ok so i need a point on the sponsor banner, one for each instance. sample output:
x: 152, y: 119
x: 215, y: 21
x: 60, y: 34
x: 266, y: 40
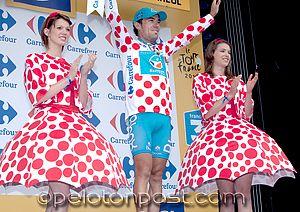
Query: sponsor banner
x: 88, y: 34
x: 67, y: 7
x: 193, y: 126
x: 95, y: 5
x: 178, y: 4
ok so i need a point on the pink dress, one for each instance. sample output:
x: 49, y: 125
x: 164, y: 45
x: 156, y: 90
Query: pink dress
x: 57, y: 143
x: 228, y: 145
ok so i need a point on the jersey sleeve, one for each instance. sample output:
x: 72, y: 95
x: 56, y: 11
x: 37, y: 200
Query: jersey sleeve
x: 119, y: 30
x: 189, y: 33
x: 202, y: 95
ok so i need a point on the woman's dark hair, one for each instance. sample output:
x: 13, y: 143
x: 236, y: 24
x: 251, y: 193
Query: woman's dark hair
x: 136, y: 32
x: 50, y: 23
x: 209, y: 58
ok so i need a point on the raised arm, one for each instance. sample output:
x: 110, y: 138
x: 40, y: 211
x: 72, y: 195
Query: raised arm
x: 214, y: 9
x: 189, y: 33
x: 119, y: 31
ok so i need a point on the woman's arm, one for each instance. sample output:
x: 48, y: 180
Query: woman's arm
x: 61, y: 84
x: 83, y: 93
x: 223, y: 101
x: 248, y: 102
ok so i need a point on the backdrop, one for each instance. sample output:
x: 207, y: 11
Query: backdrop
x: 20, y: 36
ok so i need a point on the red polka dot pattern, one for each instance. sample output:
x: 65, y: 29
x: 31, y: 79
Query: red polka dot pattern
x: 228, y: 146
x: 42, y: 71
x: 58, y: 145
x: 149, y: 93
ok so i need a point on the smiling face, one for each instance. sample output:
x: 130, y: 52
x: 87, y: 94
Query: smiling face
x: 222, y: 55
x: 149, y: 29
x: 58, y: 34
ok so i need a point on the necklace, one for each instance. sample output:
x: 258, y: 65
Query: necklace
x: 152, y: 47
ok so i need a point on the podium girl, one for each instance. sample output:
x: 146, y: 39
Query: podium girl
x: 229, y: 154
x: 58, y: 148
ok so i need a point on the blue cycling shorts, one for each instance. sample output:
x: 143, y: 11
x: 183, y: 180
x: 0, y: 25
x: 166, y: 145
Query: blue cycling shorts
x: 150, y: 133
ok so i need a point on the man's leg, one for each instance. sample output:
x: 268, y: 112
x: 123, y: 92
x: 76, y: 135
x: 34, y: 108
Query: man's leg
x: 158, y: 167
x: 143, y: 167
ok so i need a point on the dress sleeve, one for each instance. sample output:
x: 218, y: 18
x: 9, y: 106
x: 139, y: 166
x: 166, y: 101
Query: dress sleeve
x: 188, y: 34
x: 35, y: 80
x: 203, y: 97
x: 88, y: 108
x: 89, y: 103
x: 241, y: 101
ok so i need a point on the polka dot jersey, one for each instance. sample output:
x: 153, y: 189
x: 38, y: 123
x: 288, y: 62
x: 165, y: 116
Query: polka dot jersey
x: 149, y: 92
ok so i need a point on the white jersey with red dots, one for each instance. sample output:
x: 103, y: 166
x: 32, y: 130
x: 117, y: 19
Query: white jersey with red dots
x: 146, y: 74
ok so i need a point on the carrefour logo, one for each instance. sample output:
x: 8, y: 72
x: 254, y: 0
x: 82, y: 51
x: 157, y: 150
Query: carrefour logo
x: 117, y: 82
x: 92, y: 118
x: 84, y: 32
x: 81, y: 33
x: 6, y: 19
x: 6, y: 110
x: 84, y: 35
x: 119, y: 124
x: 6, y: 64
x: 36, y: 27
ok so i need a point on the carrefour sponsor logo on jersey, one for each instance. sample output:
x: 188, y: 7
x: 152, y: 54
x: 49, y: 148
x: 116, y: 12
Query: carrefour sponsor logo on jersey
x: 129, y: 67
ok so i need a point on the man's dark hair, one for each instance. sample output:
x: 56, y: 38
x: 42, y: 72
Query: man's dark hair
x: 135, y: 29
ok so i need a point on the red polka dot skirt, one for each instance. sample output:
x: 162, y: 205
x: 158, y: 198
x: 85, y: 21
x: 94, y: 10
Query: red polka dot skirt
x: 58, y: 145
x: 229, y: 149
x: 228, y: 146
